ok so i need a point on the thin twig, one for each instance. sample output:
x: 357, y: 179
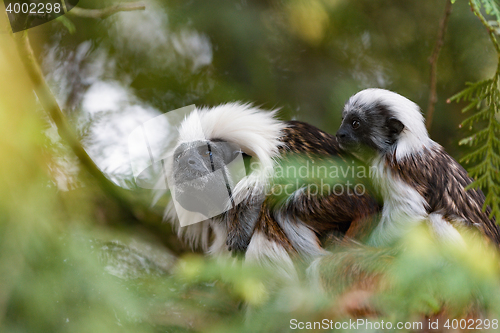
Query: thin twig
x: 65, y: 9
x: 433, y: 60
x: 108, y: 11
x: 491, y: 30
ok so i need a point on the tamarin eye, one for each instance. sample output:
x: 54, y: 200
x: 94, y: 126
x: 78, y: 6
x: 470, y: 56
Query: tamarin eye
x: 355, y: 123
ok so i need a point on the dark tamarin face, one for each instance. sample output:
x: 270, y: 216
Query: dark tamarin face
x: 378, y: 121
x: 369, y: 126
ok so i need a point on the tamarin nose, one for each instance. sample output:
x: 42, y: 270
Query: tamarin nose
x: 341, y: 135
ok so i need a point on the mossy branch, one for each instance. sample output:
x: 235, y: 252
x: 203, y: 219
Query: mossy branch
x: 108, y: 11
x: 129, y: 207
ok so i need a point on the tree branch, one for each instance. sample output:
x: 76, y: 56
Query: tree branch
x: 433, y: 60
x: 108, y: 11
x: 49, y: 103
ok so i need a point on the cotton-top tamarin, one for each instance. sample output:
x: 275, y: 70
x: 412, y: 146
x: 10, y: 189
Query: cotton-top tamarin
x: 416, y: 178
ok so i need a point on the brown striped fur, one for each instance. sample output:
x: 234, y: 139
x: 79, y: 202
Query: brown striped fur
x: 442, y: 181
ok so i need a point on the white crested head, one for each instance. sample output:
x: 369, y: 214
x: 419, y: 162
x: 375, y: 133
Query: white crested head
x: 255, y: 131
x: 385, y: 121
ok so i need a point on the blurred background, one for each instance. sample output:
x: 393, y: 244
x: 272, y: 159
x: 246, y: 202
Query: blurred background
x: 75, y: 258
x: 304, y: 57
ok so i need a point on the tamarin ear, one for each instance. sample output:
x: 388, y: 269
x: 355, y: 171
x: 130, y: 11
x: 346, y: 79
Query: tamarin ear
x: 395, y: 126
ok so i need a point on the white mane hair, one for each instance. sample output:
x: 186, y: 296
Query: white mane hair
x: 257, y: 132
x: 414, y: 137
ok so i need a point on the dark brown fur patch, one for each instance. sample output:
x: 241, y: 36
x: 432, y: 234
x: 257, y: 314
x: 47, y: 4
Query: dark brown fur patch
x: 331, y: 212
x: 268, y: 226
x: 442, y: 181
x: 323, y: 213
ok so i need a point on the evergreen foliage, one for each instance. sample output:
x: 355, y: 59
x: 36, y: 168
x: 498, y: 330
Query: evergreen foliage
x: 483, y: 100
